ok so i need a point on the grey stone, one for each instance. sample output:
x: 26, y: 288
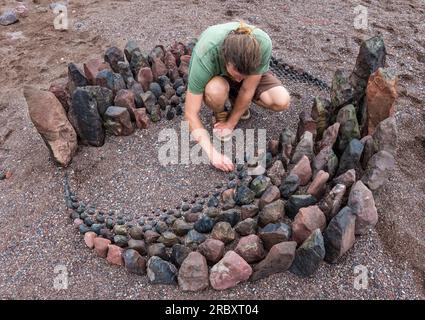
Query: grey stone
x: 309, y: 255
x: 161, y: 272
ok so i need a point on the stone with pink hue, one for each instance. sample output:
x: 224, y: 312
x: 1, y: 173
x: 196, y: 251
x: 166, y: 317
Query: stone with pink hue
x: 145, y: 77
x: 184, y: 65
x: 151, y: 236
x: 273, y: 147
x: 193, y: 273
x: 212, y: 250
x: 101, y: 246
x: 89, y: 239
x: 306, y: 123
x: 170, y: 60
x: 279, y: 259
x: 229, y: 271
x: 228, y: 198
x: 142, y: 119
x: 332, y: 202
x: 306, y: 221
x: 329, y: 136
x: 381, y: 94
x: 60, y: 91
x: 347, y: 178
x: 249, y: 211
x: 271, y: 194
x: 318, y: 187
x: 276, y: 173
x: 51, y: 122
x: 78, y: 222
x: 250, y: 248
x: 362, y: 203
x: 92, y: 68
x: 158, y: 68
x: 303, y: 170
x: 115, y: 255
x: 125, y: 99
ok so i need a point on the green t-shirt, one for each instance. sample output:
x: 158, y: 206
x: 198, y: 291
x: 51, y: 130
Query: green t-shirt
x: 207, y: 60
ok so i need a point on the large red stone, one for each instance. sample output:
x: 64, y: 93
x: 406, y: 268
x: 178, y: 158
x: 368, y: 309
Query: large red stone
x: 279, y: 259
x: 193, y: 273
x: 51, y: 122
x: 303, y: 170
x: 250, y: 248
x: 271, y: 194
x: 115, y: 255
x: 229, y: 271
x: 125, y: 99
x: 101, y: 246
x: 212, y: 250
x: 145, y: 77
x: 381, y: 94
x: 306, y: 221
x: 362, y: 204
x: 158, y: 68
x: 92, y: 68
x: 318, y: 187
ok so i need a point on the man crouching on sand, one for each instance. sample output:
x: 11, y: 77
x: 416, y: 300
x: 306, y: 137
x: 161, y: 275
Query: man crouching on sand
x: 230, y: 61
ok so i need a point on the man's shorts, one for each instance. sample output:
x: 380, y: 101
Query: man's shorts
x: 268, y: 81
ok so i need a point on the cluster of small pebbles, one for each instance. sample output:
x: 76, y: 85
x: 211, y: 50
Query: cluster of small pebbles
x: 314, y: 197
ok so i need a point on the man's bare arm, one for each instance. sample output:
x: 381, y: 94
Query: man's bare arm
x: 244, y: 98
x: 193, y: 103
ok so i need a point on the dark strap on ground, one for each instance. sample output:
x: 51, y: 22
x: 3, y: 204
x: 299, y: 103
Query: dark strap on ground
x: 283, y: 70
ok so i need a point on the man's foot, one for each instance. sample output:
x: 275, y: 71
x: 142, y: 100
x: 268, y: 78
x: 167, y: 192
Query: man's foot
x: 246, y: 115
x: 221, y: 116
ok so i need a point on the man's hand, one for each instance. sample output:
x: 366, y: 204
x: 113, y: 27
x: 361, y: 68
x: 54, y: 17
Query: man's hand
x: 223, y: 129
x: 222, y: 162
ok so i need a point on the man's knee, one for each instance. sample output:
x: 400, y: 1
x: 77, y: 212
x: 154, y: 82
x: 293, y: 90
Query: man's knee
x: 216, y: 92
x: 282, y: 101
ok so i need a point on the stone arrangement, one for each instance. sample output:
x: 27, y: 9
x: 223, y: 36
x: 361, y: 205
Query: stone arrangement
x: 123, y: 91
x: 315, y: 196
